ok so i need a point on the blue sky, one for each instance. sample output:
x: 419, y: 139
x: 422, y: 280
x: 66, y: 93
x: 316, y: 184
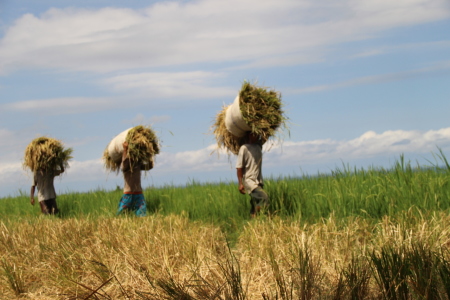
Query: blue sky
x: 363, y: 82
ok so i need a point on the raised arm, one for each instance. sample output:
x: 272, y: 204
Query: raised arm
x: 125, y: 166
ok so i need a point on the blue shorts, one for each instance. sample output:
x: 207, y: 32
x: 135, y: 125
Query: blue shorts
x: 133, y: 202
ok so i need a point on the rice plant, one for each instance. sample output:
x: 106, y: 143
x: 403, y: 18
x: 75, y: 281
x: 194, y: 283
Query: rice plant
x: 354, y: 279
x: 13, y: 277
x: 392, y: 270
x: 353, y: 234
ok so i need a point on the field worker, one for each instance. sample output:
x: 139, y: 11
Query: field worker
x: 43, y: 180
x: 249, y: 173
x: 132, y: 198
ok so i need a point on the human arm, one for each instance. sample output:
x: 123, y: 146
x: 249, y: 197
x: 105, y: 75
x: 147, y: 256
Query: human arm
x: 240, y: 176
x: 32, y: 194
x: 240, y: 164
x: 60, y: 170
x: 125, y: 159
x: 125, y: 150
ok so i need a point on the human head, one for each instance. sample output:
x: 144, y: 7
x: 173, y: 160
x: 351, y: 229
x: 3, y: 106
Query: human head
x: 252, y: 137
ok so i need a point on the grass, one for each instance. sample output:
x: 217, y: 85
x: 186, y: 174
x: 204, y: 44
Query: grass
x: 369, y: 193
x: 353, y: 234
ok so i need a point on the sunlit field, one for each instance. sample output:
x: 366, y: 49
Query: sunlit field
x: 352, y: 234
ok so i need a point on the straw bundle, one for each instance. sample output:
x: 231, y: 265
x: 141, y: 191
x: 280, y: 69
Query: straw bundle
x: 260, y: 108
x: 224, y: 138
x: 143, y: 145
x: 45, y: 153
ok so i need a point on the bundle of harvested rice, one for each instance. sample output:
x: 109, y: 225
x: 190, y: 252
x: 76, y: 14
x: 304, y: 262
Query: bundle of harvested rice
x: 143, y: 145
x: 256, y: 109
x: 261, y: 109
x: 224, y: 137
x: 45, y: 153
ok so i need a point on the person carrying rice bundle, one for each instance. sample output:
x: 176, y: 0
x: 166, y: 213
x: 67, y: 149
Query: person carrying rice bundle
x: 132, y: 151
x: 242, y: 128
x: 46, y: 158
x: 249, y: 173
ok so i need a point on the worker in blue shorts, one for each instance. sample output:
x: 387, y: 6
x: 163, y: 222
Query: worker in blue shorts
x: 132, y: 198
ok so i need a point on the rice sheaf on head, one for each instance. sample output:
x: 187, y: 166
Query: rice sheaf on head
x: 46, y: 153
x: 224, y: 138
x: 261, y: 109
x: 143, y: 145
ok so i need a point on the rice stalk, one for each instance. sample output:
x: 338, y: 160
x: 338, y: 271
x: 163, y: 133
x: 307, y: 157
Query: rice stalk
x: 285, y: 287
x: 232, y: 272
x: 307, y: 274
x: 224, y: 138
x: 143, y: 145
x: 424, y: 277
x: 354, y: 280
x: 444, y: 273
x: 109, y: 163
x: 261, y: 109
x: 45, y: 153
x: 173, y: 289
x: 14, y: 277
x: 391, y: 270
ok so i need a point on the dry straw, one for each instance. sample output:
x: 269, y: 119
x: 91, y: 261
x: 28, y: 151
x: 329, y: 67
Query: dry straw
x: 45, y: 153
x: 143, y: 145
x: 261, y: 109
x: 224, y: 138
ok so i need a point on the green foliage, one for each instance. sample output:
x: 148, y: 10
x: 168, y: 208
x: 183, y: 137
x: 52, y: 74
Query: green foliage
x: 369, y: 193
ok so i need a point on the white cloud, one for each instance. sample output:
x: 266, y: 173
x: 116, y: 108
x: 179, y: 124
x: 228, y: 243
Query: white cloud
x: 60, y: 106
x: 192, y: 85
x: 85, y: 170
x: 253, y: 32
x: 389, y: 77
x: 286, y: 155
x: 135, y: 89
x: 369, y: 145
x: 141, y: 119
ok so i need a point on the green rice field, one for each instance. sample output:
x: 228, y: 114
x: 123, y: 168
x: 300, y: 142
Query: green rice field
x: 352, y: 234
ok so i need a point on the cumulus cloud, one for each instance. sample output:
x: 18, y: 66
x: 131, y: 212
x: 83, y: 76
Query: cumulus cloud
x: 210, y: 31
x: 85, y: 170
x: 191, y: 85
x: 287, y: 155
x: 369, y: 145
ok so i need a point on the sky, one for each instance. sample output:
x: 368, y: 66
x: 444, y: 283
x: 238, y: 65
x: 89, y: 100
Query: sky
x: 362, y: 83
